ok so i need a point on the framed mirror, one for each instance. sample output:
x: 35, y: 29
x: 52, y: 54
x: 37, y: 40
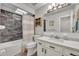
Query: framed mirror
x: 77, y: 22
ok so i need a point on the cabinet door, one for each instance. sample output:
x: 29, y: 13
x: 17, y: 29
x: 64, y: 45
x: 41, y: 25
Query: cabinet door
x: 53, y: 49
x: 51, y: 52
x: 40, y: 49
x: 69, y: 52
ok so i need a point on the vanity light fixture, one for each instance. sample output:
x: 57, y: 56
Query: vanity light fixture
x: 55, y: 6
x: 59, y: 6
x: 49, y: 7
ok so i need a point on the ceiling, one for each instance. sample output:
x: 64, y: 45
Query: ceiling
x: 35, y: 5
x: 30, y: 7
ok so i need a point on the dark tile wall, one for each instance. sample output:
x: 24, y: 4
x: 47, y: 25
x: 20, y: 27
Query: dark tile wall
x: 13, y: 26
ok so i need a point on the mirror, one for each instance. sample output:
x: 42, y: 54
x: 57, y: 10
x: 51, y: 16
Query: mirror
x: 65, y: 24
x: 65, y: 19
x: 77, y: 22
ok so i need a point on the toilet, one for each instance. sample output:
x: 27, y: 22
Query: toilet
x: 31, y: 47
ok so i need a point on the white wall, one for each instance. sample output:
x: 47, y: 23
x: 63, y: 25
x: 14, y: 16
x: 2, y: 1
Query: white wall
x: 40, y: 13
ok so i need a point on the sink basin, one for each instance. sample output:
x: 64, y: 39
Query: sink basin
x: 57, y: 40
x: 72, y: 39
x: 57, y: 37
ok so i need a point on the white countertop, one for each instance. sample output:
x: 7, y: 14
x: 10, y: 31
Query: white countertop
x: 62, y: 42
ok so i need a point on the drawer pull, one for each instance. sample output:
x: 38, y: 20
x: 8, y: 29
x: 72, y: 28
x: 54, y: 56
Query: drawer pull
x: 73, y: 54
x: 62, y: 55
x: 42, y: 49
x: 52, y: 47
x: 45, y: 51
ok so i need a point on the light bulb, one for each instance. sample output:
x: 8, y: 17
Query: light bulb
x: 53, y: 4
x: 49, y: 7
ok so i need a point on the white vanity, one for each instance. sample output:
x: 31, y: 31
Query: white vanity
x: 62, y: 21
x: 47, y: 46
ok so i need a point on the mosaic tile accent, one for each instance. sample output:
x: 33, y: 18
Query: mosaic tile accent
x: 11, y: 24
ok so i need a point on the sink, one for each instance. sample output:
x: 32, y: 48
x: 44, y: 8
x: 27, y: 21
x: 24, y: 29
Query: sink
x: 72, y: 39
x: 57, y: 37
x: 62, y: 36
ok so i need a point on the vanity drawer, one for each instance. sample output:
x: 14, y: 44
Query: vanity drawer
x: 54, y: 47
x: 40, y: 43
x: 68, y: 52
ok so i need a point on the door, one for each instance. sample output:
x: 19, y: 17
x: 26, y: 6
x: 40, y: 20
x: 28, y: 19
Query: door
x: 65, y: 24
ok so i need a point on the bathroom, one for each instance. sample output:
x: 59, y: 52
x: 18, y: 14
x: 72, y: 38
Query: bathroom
x: 39, y: 29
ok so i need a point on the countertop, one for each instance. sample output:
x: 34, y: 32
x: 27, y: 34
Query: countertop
x: 65, y: 43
